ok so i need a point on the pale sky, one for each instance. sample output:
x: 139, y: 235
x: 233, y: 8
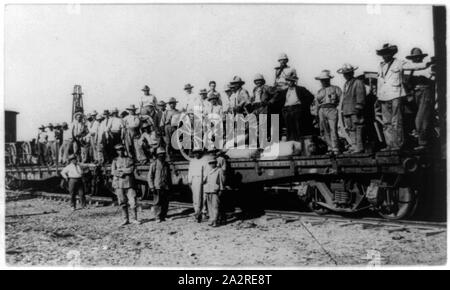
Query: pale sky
x: 112, y: 51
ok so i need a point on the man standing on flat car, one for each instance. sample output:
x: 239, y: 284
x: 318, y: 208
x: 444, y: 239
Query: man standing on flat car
x: 353, y: 103
x: 327, y: 100
x: 296, y: 111
x: 281, y: 72
x: 391, y: 96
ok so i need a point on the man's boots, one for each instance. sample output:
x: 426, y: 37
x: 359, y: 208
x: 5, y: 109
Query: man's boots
x: 125, y: 216
x: 135, y: 217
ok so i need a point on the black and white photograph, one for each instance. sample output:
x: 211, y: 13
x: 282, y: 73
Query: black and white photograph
x: 224, y: 136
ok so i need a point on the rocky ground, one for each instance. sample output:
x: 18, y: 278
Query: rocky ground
x: 47, y: 233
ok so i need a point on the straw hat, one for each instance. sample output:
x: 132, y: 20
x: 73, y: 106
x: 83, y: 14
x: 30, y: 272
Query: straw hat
x: 324, y: 75
x: 346, y: 68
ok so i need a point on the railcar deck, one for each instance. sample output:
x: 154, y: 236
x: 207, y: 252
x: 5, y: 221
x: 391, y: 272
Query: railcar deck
x: 257, y: 170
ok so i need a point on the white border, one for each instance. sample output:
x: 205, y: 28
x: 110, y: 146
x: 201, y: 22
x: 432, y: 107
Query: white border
x: 2, y: 166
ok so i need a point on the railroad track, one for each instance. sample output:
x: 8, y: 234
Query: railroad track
x: 288, y: 216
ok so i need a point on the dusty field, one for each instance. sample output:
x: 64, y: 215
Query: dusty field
x: 48, y: 233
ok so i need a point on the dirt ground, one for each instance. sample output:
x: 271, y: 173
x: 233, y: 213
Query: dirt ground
x: 47, y: 233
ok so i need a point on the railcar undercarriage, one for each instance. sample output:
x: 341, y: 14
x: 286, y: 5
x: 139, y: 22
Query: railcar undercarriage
x: 389, y: 183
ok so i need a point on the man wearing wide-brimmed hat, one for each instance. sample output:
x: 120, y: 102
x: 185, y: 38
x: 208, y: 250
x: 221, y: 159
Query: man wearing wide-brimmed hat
x: 131, y: 122
x: 214, y: 185
x: 51, y: 144
x: 104, y: 135
x: 419, y: 86
x: 99, y: 140
x: 158, y: 120
x: 41, y: 145
x: 147, y: 100
x: 169, y: 122
x: 353, y: 104
x: 115, y: 128
x: 391, y: 94
x: 79, y: 130
x: 296, y: 111
x: 122, y: 170
x: 67, y: 138
x: 93, y: 130
x: 213, y: 108
x: 281, y: 72
x: 327, y: 100
x: 226, y: 102
x: 196, y: 173
x: 159, y: 180
x: 261, y: 96
x: 240, y: 95
x: 187, y: 97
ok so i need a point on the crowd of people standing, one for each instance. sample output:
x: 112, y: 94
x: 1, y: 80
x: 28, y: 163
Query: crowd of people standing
x: 404, y: 98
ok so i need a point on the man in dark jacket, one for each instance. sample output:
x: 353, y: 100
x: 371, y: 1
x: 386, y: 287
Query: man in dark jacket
x: 296, y: 110
x: 353, y: 103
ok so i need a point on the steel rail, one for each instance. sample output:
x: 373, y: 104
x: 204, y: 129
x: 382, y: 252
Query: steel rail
x: 277, y: 213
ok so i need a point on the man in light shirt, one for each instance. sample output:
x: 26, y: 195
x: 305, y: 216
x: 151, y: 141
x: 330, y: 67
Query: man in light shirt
x: 99, y: 141
x: 327, y: 100
x: 73, y: 174
x: 42, y: 145
x: 147, y: 100
x: 51, y: 144
x: 66, y: 146
x: 131, y: 123
x: 353, y: 104
x: 196, y: 173
x: 93, y: 129
x: 240, y: 96
x: 104, y: 137
x: 281, y: 72
x: 169, y: 124
x: 392, y: 95
x: 226, y: 102
x: 79, y: 130
x: 115, y: 128
x: 187, y: 98
x: 261, y: 96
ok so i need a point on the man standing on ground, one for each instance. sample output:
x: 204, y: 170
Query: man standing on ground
x: 159, y: 181
x: 122, y: 170
x: 73, y: 174
x: 195, y: 180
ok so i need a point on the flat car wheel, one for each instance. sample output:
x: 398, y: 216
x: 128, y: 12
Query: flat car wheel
x: 398, y: 203
x: 314, y: 206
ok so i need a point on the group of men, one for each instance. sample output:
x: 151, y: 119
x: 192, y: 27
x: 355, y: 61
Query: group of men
x: 144, y: 137
x: 207, y: 178
x: 404, y: 95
